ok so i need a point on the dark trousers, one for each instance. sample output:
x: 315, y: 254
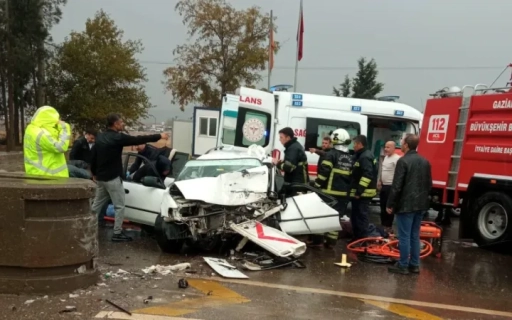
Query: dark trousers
x: 386, y: 219
x: 359, y: 217
x: 341, y: 206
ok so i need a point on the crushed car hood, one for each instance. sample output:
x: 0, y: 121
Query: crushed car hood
x: 228, y: 189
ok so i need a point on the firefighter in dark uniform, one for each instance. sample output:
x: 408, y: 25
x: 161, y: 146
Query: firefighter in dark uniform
x: 316, y: 240
x: 363, y: 186
x: 295, y: 163
x: 334, y: 175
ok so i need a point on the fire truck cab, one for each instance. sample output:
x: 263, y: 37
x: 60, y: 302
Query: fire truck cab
x: 255, y: 117
x: 467, y: 137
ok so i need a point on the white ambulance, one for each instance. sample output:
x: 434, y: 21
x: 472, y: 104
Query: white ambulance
x: 255, y: 117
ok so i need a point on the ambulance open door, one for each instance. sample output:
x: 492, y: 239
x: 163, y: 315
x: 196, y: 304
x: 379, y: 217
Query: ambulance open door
x: 255, y: 119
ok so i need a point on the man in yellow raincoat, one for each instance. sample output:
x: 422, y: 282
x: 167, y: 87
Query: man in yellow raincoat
x: 45, y: 144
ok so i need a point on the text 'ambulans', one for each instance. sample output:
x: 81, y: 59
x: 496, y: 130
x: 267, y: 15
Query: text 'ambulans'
x: 251, y: 100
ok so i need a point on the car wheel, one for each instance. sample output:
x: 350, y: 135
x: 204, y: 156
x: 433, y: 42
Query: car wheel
x: 492, y: 218
x: 170, y: 236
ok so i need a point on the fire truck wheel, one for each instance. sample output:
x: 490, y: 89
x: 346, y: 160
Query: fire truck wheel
x: 492, y: 218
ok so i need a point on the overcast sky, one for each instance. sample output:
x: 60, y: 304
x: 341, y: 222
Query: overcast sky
x: 420, y: 46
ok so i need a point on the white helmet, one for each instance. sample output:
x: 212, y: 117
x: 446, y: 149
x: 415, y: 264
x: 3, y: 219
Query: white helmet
x: 340, y: 137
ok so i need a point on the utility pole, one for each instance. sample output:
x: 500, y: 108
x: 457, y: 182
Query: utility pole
x: 41, y: 72
x: 10, y: 85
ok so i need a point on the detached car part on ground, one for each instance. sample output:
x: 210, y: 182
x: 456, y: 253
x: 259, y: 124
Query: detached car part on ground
x: 225, y: 193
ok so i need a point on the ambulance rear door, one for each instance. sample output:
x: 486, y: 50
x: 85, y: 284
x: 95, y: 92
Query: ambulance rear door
x: 255, y: 119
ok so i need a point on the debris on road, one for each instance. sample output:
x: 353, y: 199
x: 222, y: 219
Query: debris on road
x: 222, y: 267
x: 118, y: 307
x: 182, y: 284
x: 165, y: 270
x: 29, y: 301
x: 266, y: 262
x: 73, y: 296
x: 81, y: 269
x: 68, y: 309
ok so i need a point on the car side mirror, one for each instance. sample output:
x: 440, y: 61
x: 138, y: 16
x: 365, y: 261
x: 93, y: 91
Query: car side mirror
x: 153, y: 182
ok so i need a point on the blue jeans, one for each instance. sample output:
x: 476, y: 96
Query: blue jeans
x: 409, y: 224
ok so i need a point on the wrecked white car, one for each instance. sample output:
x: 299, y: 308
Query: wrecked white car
x: 225, y: 193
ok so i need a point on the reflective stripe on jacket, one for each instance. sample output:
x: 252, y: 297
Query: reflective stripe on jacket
x: 45, y: 143
x: 364, y: 175
x: 334, y: 173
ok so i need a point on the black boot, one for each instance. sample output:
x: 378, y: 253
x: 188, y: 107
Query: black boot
x: 121, y: 237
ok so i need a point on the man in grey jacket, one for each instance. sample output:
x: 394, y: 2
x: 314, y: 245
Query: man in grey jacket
x: 408, y: 200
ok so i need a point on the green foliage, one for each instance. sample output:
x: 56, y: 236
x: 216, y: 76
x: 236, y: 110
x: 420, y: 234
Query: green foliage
x: 364, y: 85
x: 344, y: 90
x: 24, y: 31
x: 95, y: 72
x: 229, y: 50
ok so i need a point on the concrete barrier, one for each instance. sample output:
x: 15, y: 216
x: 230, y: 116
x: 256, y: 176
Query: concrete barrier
x: 48, y: 235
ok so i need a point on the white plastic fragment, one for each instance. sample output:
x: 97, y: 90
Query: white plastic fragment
x: 165, y: 270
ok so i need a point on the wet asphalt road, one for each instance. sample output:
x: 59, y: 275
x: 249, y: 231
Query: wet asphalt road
x: 464, y: 277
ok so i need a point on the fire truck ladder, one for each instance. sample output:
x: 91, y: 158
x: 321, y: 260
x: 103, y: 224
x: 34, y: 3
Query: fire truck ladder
x: 453, y: 174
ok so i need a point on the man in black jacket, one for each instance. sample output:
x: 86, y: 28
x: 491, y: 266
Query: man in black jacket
x: 107, y: 168
x: 163, y: 168
x: 149, y: 152
x: 81, y: 149
x: 326, y: 146
x: 295, y: 163
x: 408, y: 199
x: 363, y: 186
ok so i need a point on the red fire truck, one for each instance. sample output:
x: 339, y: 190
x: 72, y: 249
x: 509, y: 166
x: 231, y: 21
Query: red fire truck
x: 467, y: 137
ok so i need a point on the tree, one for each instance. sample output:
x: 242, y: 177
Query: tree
x: 229, y: 50
x: 24, y: 32
x: 364, y: 85
x: 344, y: 90
x: 95, y: 73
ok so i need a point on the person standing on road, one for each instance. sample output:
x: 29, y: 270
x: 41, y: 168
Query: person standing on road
x: 45, y: 143
x: 384, y: 181
x: 295, y: 163
x: 334, y: 176
x: 107, y: 169
x: 363, y: 187
x: 81, y: 149
x: 408, y: 200
x: 316, y: 240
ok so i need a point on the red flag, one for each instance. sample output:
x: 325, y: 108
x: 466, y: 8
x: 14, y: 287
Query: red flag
x: 271, y: 48
x: 300, y: 34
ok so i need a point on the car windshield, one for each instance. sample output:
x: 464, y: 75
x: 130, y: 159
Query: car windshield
x: 212, y: 168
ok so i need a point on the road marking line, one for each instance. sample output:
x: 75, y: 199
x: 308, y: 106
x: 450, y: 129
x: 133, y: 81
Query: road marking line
x: 216, y: 295
x: 134, y: 316
x: 403, y: 310
x: 363, y: 296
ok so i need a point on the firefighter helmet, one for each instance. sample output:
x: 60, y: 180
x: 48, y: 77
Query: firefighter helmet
x: 340, y: 137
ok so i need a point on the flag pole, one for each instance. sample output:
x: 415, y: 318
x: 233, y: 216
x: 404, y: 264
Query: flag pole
x: 270, y: 49
x: 297, y: 51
